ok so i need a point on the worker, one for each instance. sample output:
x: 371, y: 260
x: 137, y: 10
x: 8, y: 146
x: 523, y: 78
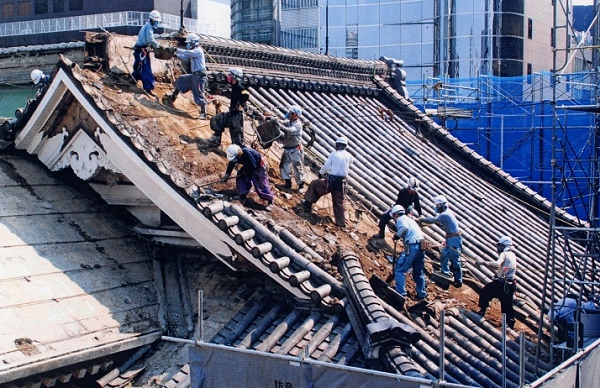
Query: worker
x: 234, y: 119
x: 39, y: 78
x: 412, y: 256
x: 195, y: 81
x: 293, y: 152
x: 142, y: 68
x: 408, y: 197
x: 252, y: 172
x: 503, y: 285
x: 445, y: 219
x: 336, y: 167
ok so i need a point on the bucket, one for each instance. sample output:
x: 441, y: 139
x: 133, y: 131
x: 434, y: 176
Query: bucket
x: 268, y: 132
x: 164, y: 53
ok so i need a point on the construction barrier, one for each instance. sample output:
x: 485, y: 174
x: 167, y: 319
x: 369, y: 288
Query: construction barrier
x: 581, y: 370
x: 221, y: 366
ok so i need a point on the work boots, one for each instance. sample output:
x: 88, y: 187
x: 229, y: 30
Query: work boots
x: 173, y: 96
x: 202, y: 115
x: 215, y: 140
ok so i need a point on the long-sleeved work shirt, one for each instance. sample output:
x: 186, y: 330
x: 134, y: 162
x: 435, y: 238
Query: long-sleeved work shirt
x: 445, y: 220
x: 250, y: 159
x: 195, y: 56
x: 408, y: 230
x: 408, y: 199
x: 337, y: 164
x: 292, y: 133
x: 146, y: 37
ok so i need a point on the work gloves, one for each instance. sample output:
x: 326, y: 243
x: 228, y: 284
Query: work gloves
x: 225, y: 178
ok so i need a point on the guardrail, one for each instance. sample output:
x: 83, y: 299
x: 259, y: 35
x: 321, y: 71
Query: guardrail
x: 90, y: 22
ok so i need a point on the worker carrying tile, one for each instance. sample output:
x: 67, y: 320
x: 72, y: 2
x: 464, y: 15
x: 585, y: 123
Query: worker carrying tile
x: 252, y: 173
x: 195, y: 81
x: 336, y: 168
x: 142, y: 68
x: 234, y: 119
x: 408, y: 198
x: 445, y: 219
x: 292, y: 158
x: 412, y: 256
x: 503, y: 285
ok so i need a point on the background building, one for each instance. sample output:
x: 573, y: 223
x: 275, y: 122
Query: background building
x: 433, y: 37
x: 34, y: 22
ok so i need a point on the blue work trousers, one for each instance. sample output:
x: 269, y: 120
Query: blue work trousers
x: 412, y: 257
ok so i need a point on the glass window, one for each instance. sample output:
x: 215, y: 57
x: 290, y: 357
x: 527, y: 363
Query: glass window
x: 58, y: 5
x: 530, y: 28
x: 8, y: 10
x: 24, y: 8
x: 40, y: 7
x: 75, y: 5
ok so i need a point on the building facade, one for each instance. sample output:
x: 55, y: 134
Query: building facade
x: 32, y: 22
x: 434, y: 38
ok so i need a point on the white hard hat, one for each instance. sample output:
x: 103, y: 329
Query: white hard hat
x: 441, y: 203
x: 295, y: 109
x: 237, y: 73
x: 342, y: 140
x: 506, y: 241
x: 232, y: 152
x: 36, y: 76
x: 440, y: 200
x: 397, y: 210
x: 155, y: 15
x: 191, y: 37
x: 413, y: 184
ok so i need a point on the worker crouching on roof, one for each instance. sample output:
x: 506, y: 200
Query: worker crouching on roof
x: 195, y: 81
x: 336, y: 167
x: 234, y: 119
x: 446, y: 220
x: 293, y: 152
x: 408, y: 198
x: 142, y: 68
x: 504, y: 285
x: 412, y: 256
x: 252, y: 172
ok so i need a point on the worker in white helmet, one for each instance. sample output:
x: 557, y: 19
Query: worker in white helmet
x: 408, y: 197
x: 252, y: 173
x: 445, y: 219
x: 412, y: 256
x: 292, y: 158
x: 195, y: 81
x: 39, y: 78
x: 142, y: 68
x: 336, y: 167
x: 504, y: 284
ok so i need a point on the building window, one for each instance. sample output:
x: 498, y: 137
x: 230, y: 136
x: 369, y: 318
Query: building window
x: 58, y: 5
x: 8, y: 10
x: 24, y: 8
x: 552, y: 43
x: 40, y: 7
x: 75, y: 5
x: 530, y: 28
x: 529, y: 69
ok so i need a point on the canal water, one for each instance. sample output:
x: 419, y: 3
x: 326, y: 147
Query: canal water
x: 12, y: 98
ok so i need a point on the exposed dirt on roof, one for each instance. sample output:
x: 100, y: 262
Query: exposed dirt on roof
x: 180, y: 138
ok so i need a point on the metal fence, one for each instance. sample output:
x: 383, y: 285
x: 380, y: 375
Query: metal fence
x: 90, y: 22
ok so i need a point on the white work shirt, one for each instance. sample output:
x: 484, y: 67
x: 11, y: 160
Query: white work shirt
x: 338, y: 164
x: 507, y: 265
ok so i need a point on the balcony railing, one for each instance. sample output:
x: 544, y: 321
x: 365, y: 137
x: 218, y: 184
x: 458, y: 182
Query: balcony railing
x: 90, y: 22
